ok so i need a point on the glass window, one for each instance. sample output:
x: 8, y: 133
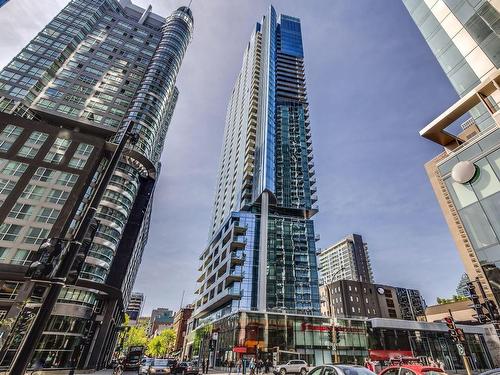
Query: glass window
x: 57, y: 151
x: 21, y: 211
x: 329, y: 371
x: 33, y: 192
x: 44, y: 175
x: 405, y: 371
x: 477, y: 226
x: 487, y: 182
x: 494, y: 160
x: 491, y: 207
x: 6, y: 186
x: 9, y: 232
x: 14, y: 168
x: 57, y: 196
x: 316, y: 371
x: 47, y: 215
x: 8, y: 136
x: 36, y: 235
x: 67, y: 179
x: 463, y: 195
x: 20, y: 257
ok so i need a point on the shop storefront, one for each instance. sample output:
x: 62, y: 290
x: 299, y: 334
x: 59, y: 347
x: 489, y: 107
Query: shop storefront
x: 389, y: 338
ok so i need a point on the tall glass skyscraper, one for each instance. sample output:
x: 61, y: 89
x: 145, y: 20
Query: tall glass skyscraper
x: 464, y: 37
x: 261, y: 254
x: 96, y: 66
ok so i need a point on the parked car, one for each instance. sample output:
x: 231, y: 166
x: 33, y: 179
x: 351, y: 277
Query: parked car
x: 340, y: 370
x: 187, y: 368
x: 162, y: 366
x: 412, y: 369
x: 495, y: 371
x: 144, y: 367
x: 295, y: 366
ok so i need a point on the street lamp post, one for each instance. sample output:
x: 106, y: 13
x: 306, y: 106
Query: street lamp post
x: 30, y: 342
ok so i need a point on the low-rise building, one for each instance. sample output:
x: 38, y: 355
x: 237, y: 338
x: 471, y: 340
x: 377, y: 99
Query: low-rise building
x: 180, y: 325
x: 355, y: 299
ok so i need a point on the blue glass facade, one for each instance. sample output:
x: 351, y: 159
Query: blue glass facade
x: 262, y: 252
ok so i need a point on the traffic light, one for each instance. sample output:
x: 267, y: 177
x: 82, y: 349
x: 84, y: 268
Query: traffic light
x: 330, y: 335
x: 337, y: 336
x: 47, y: 259
x: 476, y: 303
x: 452, y: 329
x: 460, y: 334
x: 83, y: 251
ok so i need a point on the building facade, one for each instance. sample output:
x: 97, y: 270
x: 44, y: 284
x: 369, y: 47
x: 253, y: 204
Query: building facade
x: 462, y: 290
x: 134, y: 307
x: 466, y: 175
x: 347, y: 259
x: 98, y: 65
x: 181, y: 319
x: 261, y: 252
x: 355, y: 299
x: 161, y: 318
x: 282, y: 337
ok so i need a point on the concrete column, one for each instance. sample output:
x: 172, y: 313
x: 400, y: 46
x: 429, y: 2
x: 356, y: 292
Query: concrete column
x: 262, y: 294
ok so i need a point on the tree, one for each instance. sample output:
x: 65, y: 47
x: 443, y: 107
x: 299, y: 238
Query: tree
x: 163, y: 344
x: 156, y: 347
x: 136, y: 336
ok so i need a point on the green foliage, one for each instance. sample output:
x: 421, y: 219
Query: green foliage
x: 163, y: 344
x: 136, y: 336
x: 200, y: 333
x: 454, y: 298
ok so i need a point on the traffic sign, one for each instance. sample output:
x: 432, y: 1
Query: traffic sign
x: 461, y: 349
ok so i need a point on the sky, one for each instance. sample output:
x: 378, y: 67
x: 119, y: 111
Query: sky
x: 372, y: 83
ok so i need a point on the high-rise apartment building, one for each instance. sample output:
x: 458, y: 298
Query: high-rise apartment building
x: 346, y: 260
x: 261, y: 254
x: 462, y: 290
x: 96, y: 66
x: 135, y: 305
x: 463, y: 36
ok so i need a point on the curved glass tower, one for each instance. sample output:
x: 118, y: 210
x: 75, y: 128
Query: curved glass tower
x: 96, y: 66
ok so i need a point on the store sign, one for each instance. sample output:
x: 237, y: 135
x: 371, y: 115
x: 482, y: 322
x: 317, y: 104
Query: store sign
x: 349, y: 329
x: 311, y: 327
x: 240, y: 349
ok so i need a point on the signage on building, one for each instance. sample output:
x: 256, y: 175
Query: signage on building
x: 311, y: 327
x: 240, y: 349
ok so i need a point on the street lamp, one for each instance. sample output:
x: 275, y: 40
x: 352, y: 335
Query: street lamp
x: 59, y: 279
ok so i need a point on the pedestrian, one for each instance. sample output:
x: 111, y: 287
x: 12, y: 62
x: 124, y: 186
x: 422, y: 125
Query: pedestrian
x: 252, y: 366
x: 205, y: 366
x: 238, y: 367
x: 267, y: 365
x: 230, y: 364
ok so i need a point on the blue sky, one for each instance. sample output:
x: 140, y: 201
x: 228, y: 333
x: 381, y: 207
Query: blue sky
x: 372, y: 83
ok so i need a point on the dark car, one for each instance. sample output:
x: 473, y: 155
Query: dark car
x: 162, y: 366
x: 340, y: 370
x: 187, y: 368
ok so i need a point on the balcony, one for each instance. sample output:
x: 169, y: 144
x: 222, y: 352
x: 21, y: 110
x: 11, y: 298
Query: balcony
x: 237, y: 258
x: 238, y: 242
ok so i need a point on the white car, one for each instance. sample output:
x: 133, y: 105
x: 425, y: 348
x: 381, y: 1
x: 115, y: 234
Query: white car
x: 340, y: 370
x: 295, y: 366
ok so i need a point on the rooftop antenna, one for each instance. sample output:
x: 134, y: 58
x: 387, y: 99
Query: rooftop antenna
x: 190, y: 1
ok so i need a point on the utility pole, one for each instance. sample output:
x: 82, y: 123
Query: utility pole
x: 68, y: 256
